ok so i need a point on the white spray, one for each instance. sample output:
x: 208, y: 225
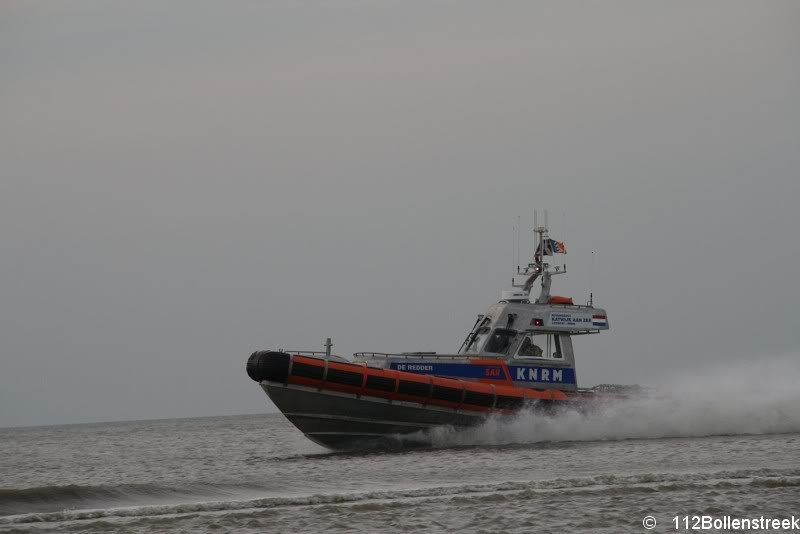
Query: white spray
x: 761, y: 397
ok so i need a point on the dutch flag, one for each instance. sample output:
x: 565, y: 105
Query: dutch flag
x: 599, y: 320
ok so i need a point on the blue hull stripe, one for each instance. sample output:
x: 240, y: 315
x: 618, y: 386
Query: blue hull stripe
x: 519, y: 373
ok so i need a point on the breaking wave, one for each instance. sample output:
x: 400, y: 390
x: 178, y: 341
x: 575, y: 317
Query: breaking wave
x: 46, y: 498
x: 614, y: 484
x: 742, y: 399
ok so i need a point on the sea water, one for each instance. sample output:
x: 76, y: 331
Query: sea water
x: 730, y: 448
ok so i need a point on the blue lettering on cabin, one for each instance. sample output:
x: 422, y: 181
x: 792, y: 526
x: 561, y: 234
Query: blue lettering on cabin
x: 455, y: 370
x: 551, y: 375
x: 519, y: 373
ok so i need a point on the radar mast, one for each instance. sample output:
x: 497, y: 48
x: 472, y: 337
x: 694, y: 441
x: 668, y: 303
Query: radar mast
x: 539, y: 268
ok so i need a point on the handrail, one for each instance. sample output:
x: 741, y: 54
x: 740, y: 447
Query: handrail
x: 580, y: 306
x: 574, y: 332
x: 421, y: 355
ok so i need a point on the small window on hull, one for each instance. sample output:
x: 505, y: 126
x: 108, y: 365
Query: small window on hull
x: 418, y: 389
x: 478, y: 399
x: 307, y: 371
x: 347, y: 378
x: 381, y: 383
x: 446, y: 394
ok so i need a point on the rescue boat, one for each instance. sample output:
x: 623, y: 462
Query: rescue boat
x: 518, y: 355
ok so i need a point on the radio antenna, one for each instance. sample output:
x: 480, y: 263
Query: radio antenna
x: 519, y: 228
x: 591, y: 274
x: 513, y: 246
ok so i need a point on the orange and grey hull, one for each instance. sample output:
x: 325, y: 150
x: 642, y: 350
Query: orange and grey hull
x: 345, y: 421
x: 344, y: 405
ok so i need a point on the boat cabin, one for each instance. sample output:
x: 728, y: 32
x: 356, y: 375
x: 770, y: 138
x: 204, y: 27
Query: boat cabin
x: 517, y: 341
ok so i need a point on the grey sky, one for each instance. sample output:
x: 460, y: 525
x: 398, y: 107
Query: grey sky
x: 183, y: 183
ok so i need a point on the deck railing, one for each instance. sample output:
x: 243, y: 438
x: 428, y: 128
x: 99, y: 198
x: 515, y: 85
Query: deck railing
x: 305, y: 352
x: 418, y: 355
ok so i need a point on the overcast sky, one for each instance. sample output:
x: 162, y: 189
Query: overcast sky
x: 184, y: 183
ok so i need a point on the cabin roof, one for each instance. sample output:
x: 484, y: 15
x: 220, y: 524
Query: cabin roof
x: 567, y: 318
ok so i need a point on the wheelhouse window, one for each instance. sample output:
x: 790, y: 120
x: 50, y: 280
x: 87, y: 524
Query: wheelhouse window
x: 477, y: 339
x: 500, y: 341
x: 540, y: 346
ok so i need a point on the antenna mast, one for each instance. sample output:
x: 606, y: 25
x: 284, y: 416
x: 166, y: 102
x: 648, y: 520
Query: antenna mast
x: 591, y: 275
x: 519, y: 228
x: 539, y: 268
